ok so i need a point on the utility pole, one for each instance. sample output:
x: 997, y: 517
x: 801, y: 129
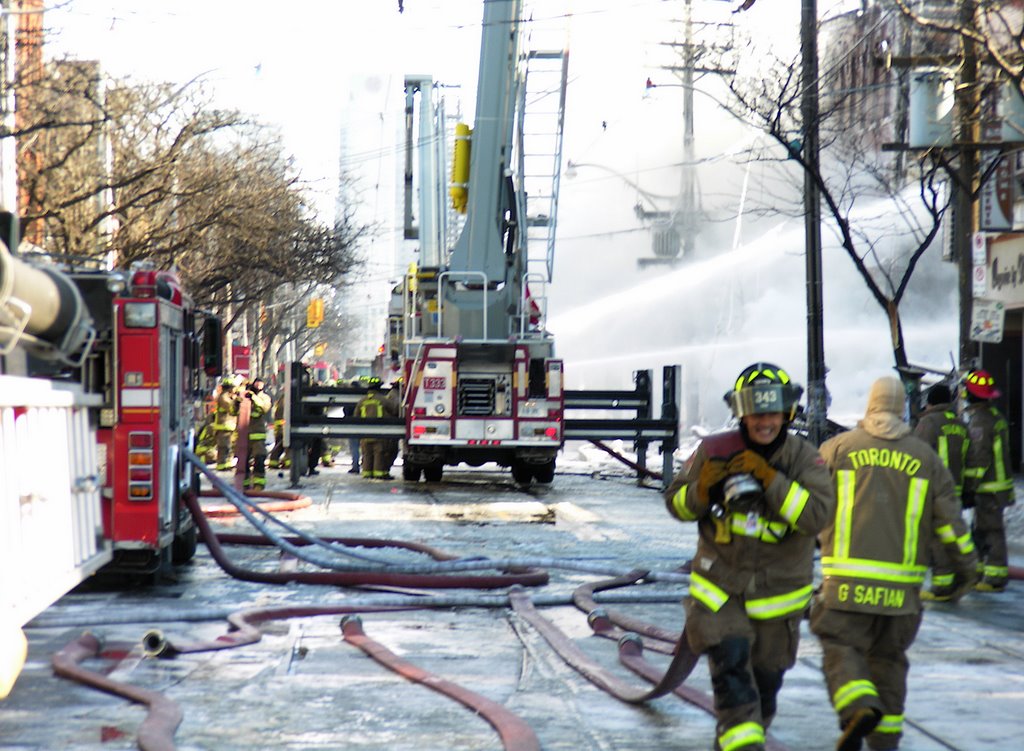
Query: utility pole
x: 687, y: 190
x: 965, y: 220
x: 816, y: 403
x: 679, y: 227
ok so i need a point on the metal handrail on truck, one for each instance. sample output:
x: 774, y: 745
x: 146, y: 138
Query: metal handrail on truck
x: 643, y: 429
x: 307, y: 419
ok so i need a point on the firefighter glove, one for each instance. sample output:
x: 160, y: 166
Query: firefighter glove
x: 751, y: 463
x: 712, y: 472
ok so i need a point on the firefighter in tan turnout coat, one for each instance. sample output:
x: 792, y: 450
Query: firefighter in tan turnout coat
x: 893, y: 497
x: 759, y: 495
x: 988, y: 483
x: 376, y: 453
x: 225, y: 421
x: 941, y: 428
x: 259, y: 415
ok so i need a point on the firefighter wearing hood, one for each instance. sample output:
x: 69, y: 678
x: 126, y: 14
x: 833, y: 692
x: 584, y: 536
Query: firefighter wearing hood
x: 758, y: 495
x: 893, y: 497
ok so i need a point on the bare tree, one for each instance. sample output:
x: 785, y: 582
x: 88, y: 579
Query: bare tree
x: 851, y: 170
x: 125, y: 172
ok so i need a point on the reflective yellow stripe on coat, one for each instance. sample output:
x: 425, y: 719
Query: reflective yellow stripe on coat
x: 713, y: 597
x: 907, y: 571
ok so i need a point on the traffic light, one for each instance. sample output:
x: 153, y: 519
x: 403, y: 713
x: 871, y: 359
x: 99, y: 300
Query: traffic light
x: 314, y: 313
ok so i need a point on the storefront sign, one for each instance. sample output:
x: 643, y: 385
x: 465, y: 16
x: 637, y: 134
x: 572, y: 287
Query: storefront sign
x: 996, y: 213
x: 1005, y: 273
x: 987, y: 318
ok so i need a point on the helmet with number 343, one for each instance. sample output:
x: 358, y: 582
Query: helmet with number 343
x: 763, y: 387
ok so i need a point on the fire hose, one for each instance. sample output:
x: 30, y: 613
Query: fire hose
x: 247, y: 507
x: 680, y: 667
x: 156, y: 731
x: 515, y: 734
x: 285, y: 501
x: 354, y: 578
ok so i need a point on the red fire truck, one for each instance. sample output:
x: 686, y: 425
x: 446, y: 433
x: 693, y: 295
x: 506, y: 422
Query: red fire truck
x: 101, y: 375
x: 148, y: 360
x: 153, y: 367
x: 481, y: 379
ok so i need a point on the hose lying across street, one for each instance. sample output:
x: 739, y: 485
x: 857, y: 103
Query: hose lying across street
x: 247, y: 507
x: 445, y: 571
x: 156, y: 731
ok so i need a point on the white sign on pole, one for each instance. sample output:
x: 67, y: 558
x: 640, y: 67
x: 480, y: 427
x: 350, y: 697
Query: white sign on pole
x: 978, y: 248
x: 987, y: 318
x: 980, y: 278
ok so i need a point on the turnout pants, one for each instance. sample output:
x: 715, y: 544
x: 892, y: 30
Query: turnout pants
x: 224, y: 447
x: 374, y: 457
x: 989, y: 535
x: 865, y: 664
x: 747, y: 659
x: 256, y: 460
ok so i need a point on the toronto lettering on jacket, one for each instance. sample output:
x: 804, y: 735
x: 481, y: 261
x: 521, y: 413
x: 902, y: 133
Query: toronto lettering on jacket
x: 885, y: 458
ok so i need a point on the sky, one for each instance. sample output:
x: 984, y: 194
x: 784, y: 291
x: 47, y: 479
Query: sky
x: 329, y: 74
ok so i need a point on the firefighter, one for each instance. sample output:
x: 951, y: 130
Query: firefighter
x: 988, y: 482
x: 759, y: 495
x: 893, y: 496
x: 373, y: 451
x: 941, y: 428
x: 206, y: 440
x: 278, y: 456
x: 259, y: 414
x: 315, y: 445
x: 391, y: 409
x: 225, y: 421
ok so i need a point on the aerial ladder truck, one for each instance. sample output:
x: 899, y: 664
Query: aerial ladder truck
x: 480, y: 379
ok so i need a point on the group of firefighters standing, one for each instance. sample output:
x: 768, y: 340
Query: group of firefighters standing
x: 218, y: 436
x: 883, y: 502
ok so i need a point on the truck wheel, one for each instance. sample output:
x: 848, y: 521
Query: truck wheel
x: 544, y: 473
x: 522, y: 473
x: 433, y: 473
x: 184, y: 546
x: 411, y: 472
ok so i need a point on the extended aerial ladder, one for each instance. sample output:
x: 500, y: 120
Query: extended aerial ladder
x: 481, y: 380
x: 466, y: 327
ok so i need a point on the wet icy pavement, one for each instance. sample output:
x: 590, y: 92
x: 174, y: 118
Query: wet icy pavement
x: 302, y: 687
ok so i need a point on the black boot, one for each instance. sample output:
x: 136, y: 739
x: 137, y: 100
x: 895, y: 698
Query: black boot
x: 857, y: 728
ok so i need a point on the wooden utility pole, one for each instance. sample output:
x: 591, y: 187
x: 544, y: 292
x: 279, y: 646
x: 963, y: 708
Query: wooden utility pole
x: 816, y: 402
x: 965, y: 217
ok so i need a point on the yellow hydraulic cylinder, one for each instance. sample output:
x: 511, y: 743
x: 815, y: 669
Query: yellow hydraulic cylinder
x: 459, y: 190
